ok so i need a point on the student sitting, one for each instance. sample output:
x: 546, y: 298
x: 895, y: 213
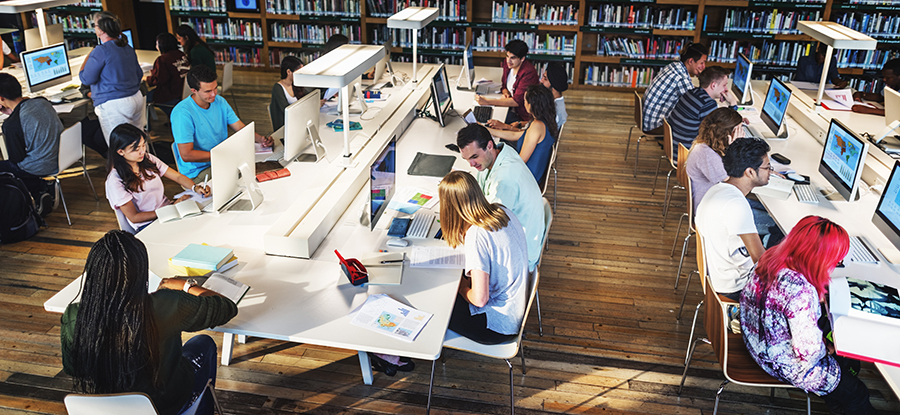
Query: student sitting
x: 557, y: 81
x: 490, y: 304
x: 809, y: 69
x: 535, y: 144
x: 167, y: 74
x: 197, y: 51
x: 696, y: 104
x: 780, y: 314
x: 725, y: 219
x: 670, y: 84
x: 890, y: 74
x: 284, y: 92
x: 134, y: 183
x: 518, y: 74
x: 704, y: 164
x: 121, y: 339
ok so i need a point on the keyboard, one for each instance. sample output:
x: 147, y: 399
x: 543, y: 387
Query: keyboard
x: 805, y: 193
x: 483, y: 89
x: 482, y: 113
x: 859, y: 252
x: 421, y: 225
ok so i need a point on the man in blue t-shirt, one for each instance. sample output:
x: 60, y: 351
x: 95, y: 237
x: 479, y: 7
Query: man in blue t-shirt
x: 696, y: 104
x: 200, y: 122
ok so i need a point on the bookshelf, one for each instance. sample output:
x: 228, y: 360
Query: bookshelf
x: 76, y: 20
x: 604, y: 44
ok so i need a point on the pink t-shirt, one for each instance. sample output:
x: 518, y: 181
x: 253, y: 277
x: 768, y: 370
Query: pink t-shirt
x: 153, y: 197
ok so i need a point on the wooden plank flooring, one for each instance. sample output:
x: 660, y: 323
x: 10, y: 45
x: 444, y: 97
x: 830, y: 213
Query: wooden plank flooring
x: 611, y: 344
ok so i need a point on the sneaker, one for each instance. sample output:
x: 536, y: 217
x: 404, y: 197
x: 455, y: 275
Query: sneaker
x: 44, y: 204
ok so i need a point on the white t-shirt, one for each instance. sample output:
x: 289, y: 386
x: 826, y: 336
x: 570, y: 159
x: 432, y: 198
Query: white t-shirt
x: 287, y: 95
x: 722, y: 216
x: 510, y: 81
x: 6, y: 49
x: 153, y: 197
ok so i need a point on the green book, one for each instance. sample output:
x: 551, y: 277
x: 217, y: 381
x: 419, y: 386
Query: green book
x: 202, y: 256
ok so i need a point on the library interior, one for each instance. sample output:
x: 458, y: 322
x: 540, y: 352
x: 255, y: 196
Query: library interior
x: 320, y: 200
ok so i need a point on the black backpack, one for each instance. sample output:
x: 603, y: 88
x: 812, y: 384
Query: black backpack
x: 19, y: 219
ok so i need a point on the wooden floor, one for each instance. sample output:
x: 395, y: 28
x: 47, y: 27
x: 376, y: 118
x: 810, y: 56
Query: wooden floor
x: 611, y: 342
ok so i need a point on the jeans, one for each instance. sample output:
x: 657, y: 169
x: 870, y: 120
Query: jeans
x: 128, y: 110
x: 850, y: 397
x: 474, y: 327
x: 769, y: 232
x: 201, y: 352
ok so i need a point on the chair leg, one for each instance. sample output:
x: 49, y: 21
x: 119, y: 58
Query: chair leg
x: 512, y: 399
x: 681, y: 261
x: 628, y: 144
x: 212, y: 392
x: 808, y: 405
x: 656, y: 177
x: 718, y: 393
x: 687, y: 363
x: 430, y: 387
x: 87, y: 177
x: 554, y: 189
x: 683, y: 297
x: 677, y: 232
x: 666, y: 200
x: 637, y: 154
x: 522, y: 356
x: 537, y: 299
x: 693, y: 327
x: 63, y: 200
x: 236, y: 110
x: 771, y: 395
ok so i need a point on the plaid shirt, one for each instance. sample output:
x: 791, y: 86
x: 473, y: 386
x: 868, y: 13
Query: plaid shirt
x: 663, y: 94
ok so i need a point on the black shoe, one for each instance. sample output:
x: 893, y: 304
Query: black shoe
x: 391, y: 369
x: 44, y: 204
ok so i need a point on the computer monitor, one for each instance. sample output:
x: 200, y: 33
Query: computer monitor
x: 384, y: 64
x: 128, y: 35
x: 775, y: 105
x: 301, y: 124
x: 843, y: 158
x: 887, y: 214
x: 382, y: 181
x: 234, y: 164
x: 891, y: 107
x: 440, y: 95
x: 46, y: 67
x: 468, y: 70
x: 741, y: 82
x: 245, y: 6
x: 33, y: 37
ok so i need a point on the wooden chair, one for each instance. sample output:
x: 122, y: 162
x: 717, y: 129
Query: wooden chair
x: 552, y: 167
x: 127, y: 403
x: 548, y: 220
x: 668, y: 148
x: 684, y: 181
x: 737, y: 364
x: 639, y: 124
x: 71, y: 151
x: 678, y: 168
x: 701, y: 271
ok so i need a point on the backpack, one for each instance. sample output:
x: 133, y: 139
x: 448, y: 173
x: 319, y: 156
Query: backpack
x: 19, y: 219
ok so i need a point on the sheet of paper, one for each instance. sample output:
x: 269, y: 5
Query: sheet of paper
x: 262, y: 150
x: 228, y: 287
x: 437, y: 257
x: 383, y: 314
x: 63, y: 108
x: 197, y: 197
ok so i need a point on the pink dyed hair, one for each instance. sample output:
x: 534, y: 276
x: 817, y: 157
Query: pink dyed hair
x: 813, y: 248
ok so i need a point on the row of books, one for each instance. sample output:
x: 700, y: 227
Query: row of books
x: 778, y: 53
x: 620, y: 76
x: 75, y: 43
x: 872, y: 24
x: 533, y: 14
x: 228, y: 29
x: 198, y: 5
x: 865, y: 59
x: 765, y: 21
x: 312, y: 33
x: 431, y: 37
x: 72, y: 23
x: 874, y: 2
x: 495, y: 41
x: 240, y: 56
x: 381, y: 8
x: 569, y: 66
x: 641, y: 17
x: 345, y: 8
x: 875, y: 85
x: 653, y: 47
x: 449, y: 10
x: 277, y: 54
x: 89, y: 3
x: 435, y: 59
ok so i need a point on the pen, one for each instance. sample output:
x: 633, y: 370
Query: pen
x: 393, y: 261
x: 205, y: 180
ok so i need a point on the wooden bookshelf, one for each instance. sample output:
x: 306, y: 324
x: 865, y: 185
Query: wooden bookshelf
x: 123, y: 9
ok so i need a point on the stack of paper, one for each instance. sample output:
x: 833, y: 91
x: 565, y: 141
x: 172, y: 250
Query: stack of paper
x: 388, y: 316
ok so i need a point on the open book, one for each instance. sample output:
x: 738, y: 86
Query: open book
x: 177, y: 211
x: 229, y: 288
x: 841, y: 100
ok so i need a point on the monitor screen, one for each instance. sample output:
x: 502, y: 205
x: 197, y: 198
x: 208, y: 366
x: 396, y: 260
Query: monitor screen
x: 46, y: 67
x: 382, y: 180
x: 775, y: 106
x: 843, y: 157
x: 227, y: 158
x: 891, y: 106
x: 887, y: 213
x: 128, y: 36
x: 440, y: 94
x: 246, y: 6
x: 470, y: 60
x: 296, y: 118
x: 741, y: 80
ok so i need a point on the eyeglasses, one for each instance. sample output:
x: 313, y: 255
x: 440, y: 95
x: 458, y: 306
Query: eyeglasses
x: 93, y: 25
x: 769, y: 168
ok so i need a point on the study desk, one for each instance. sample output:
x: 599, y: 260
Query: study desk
x: 309, y: 300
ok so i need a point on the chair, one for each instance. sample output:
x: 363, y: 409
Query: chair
x: 504, y: 351
x: 551, y: 166
x: 123, y: 222
x: 701, y: 271
x: 70, y: 151
x: 668, y: 150
x: 185, y: 92
x: 685, y: 182
x: 548, y: 220
x: 737, y: 364
x: 639, y: 124
x: 228, y: 82
x: 680, y: 174
x: 130, y: 403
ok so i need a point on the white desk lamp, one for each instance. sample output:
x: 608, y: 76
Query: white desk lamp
x: 337, y: 69
x: 835, y: 36
x: 414, y: 18
x: 37, y: 6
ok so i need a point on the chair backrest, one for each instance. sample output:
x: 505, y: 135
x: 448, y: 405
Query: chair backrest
x: 668, y: 143
x: 543, y: 183
x: 186, y: 90
x: 228, y: 76
x: 548, y: 220
x: 701, y: 260
x: 123, y: 222
x: 115, y: 404
x: 638, y: 111
x: 70, y: 147
x: 715, y: 322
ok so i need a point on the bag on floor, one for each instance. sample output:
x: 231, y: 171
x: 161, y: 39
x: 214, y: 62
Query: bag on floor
x: 19, y: 219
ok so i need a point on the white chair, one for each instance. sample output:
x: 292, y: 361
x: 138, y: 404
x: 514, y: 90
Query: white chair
x: 130, y: 403
x: 123, y: 222
x: 228, y: 82
x: 505, y: 351
x: 71, y: 151
x: 548, y: 220
x: 551, y: 166
x: 639, y: 124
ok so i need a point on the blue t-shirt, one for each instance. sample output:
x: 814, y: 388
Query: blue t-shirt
x: 112, y: 71
x: 206, y: 128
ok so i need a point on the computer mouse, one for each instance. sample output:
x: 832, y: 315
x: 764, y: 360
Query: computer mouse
x: 397, y: 242
x: 781, y: 159
x: 56, y: 100
x: 796, y: 177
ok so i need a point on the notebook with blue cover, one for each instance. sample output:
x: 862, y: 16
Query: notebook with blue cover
x: 203, y: 256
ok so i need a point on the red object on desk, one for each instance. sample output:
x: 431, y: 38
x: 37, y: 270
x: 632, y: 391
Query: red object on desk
x: 353, y: 269
x: 272, y: 175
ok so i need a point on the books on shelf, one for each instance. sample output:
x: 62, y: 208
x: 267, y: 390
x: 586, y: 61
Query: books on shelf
x: 873, y: 24
x: 865, y: 59
x: 652, y: 47
x: 381, y: 8
x: 624, y: 15
x: 198, y: 5
x: 531, y: 13
x: 89, y: 3
x: 450, y: 10
x: 620, y: 76
x: 770, y: 52
x: 766, y: 21
x: 569, y: 66
x: 239, y: 56
x: 338, y: 8
x: 227, y: 29
x: 316, y: 34
x: 546, y: 44
x: 72, y: 23
x: 277, y: 54
x: 202, y: 256
x: 431, y: 37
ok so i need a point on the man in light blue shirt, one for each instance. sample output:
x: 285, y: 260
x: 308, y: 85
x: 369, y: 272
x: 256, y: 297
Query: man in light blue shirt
x: 504, y: 178
x: 200, y: 122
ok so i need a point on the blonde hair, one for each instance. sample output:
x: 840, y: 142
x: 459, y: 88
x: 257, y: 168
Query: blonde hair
x: 463, y: 204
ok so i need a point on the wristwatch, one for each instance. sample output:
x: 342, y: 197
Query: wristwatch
x: 190, y: 282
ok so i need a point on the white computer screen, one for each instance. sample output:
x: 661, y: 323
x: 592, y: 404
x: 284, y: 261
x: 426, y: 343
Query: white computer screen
x: 45, y: 65
x: 891, y: 106
x: 775, y: 105
x: 382, y: 180
x: 842, y: 158
x: 296, y: 117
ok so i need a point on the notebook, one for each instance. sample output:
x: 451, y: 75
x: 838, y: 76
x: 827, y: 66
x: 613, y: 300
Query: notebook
x: 202, y: 256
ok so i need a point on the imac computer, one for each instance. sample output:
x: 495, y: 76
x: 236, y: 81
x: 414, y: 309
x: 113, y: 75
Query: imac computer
x: 46, y: 67
x: 384, y: 65
x: 891, y: 113
x: 843, y: 158
x: 740, y: 85
x: 234, y: 172
x: 129, y: 37
x: 887, y: 215
x: 773, y: 110
x: 354, y: 90
x: 382, y: 181
x: 33, y: 37
x: 468, y: 70
x: 301, y: 126
x: 440, y: 95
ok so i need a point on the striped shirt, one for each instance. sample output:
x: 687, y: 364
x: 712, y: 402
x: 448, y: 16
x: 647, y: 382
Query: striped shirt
x: 663, y: 94
x: 685, y: 119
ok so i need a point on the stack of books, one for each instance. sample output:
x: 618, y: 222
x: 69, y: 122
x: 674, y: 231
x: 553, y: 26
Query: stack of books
x: 196, y: 260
